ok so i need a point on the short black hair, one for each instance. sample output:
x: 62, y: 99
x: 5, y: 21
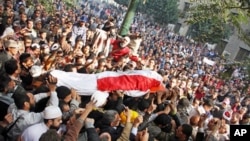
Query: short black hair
x: 4, y: 81
x: 11, y: 66
x: 187, y: 130
x: 24, y: 57
x: 143, y: 104
x: 50, y: 135
x: 20, y: 99
x: 68, y: 68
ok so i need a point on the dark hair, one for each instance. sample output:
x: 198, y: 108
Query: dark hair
x: 62, y: 92
x: 208, y: 102
x: 62, y: 104
x: 187, y: 130
x: 68, y: 68
x: 50, y: 135
x: 143, y: 104
x: 101, y: 54
x: 11, y: 66
x: 165, y: 121
x: 20, y: 99
x: 24, y: 57
x: 4, y: 81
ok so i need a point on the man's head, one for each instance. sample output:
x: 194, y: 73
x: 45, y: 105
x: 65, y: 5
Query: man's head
x: 12, y: 47
x: 50, y: 135
x: 64, y: 93
x: 12, y: 67
x: 184, y: 131
x: 52, y: 117
x: 111, y: 118
x: 208, y: 105
x: 125, y: 41
x: 6, y: 84
x: 26, y: 60
x: 24, y: 100
x: 27, y: 41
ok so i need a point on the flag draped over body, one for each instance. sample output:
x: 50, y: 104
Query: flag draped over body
x: 135, y: 83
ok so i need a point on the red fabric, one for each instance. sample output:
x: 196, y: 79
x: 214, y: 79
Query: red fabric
x: 134, y: 58
x: 199, y: 95
x: 117, y: 52
x: 127, y: 82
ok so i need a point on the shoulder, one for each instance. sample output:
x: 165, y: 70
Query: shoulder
x: 31, y: 133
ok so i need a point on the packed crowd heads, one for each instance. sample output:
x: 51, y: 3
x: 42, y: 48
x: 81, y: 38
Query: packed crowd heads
x: 196, y: 104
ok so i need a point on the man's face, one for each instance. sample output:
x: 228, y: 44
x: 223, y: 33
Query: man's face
x: 30, y: 25
x: 23, y: 17
x: 179, y: 132
x: 32, y: 102
x: 29, y: 63
x: 27, y: 43
x: 11, y: 86
x: 37, y: 52
x: 56, y: 123
x: 116, y: 121
x: 13, y: 50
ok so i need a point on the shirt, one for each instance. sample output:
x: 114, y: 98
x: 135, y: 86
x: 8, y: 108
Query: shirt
x: 79, y: 31
x: 34, y: 132
x: 28, y: 118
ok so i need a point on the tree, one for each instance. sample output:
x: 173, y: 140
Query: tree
x: 129, y: 17
x: 162, y: 11
x: 211, y: 31
x: 232, y: 12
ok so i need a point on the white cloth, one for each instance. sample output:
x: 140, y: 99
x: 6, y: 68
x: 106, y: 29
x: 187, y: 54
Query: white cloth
x: 86, y: 84
x: 34, y: 132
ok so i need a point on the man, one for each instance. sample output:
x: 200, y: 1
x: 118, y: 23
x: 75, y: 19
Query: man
x: 120, y: 48
x: 6, y: 84
x: 25, y: 102
x: 26, y: 62
x: 12, y: 68
x: 10, y: 52
x: 52, y: 120
x: 79, y: 31
x: 29, y: 29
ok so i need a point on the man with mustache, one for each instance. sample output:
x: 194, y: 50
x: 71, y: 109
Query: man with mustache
x: 52, y: 120
x: 120, y: 48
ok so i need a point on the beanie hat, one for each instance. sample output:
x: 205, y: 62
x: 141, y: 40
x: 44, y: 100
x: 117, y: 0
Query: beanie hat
x: 62, y: 92
x: 52, y: 112
x: 36, y: 71
x: 100, y: 98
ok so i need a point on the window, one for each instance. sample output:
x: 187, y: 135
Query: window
x: 242, y: 54
x: 186, y: 6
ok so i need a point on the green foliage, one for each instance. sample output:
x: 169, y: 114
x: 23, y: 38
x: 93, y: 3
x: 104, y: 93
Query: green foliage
x: 210, y: 30
x: 48, y: 4
x: 233, y: 12
x: 162, y: 11
x: 122, y: 2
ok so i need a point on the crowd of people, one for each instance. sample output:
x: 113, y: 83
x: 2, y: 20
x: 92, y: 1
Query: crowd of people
x: 196, y: 104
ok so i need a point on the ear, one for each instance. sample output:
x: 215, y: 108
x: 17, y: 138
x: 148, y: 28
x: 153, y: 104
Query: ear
x: 26, y: 104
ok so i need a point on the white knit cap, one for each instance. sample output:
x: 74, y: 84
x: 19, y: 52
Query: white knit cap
x: 52, y: 112
x: 100, y: 98
x: 36, y: 71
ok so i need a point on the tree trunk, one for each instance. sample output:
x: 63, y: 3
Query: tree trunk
x: 129, y: 17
